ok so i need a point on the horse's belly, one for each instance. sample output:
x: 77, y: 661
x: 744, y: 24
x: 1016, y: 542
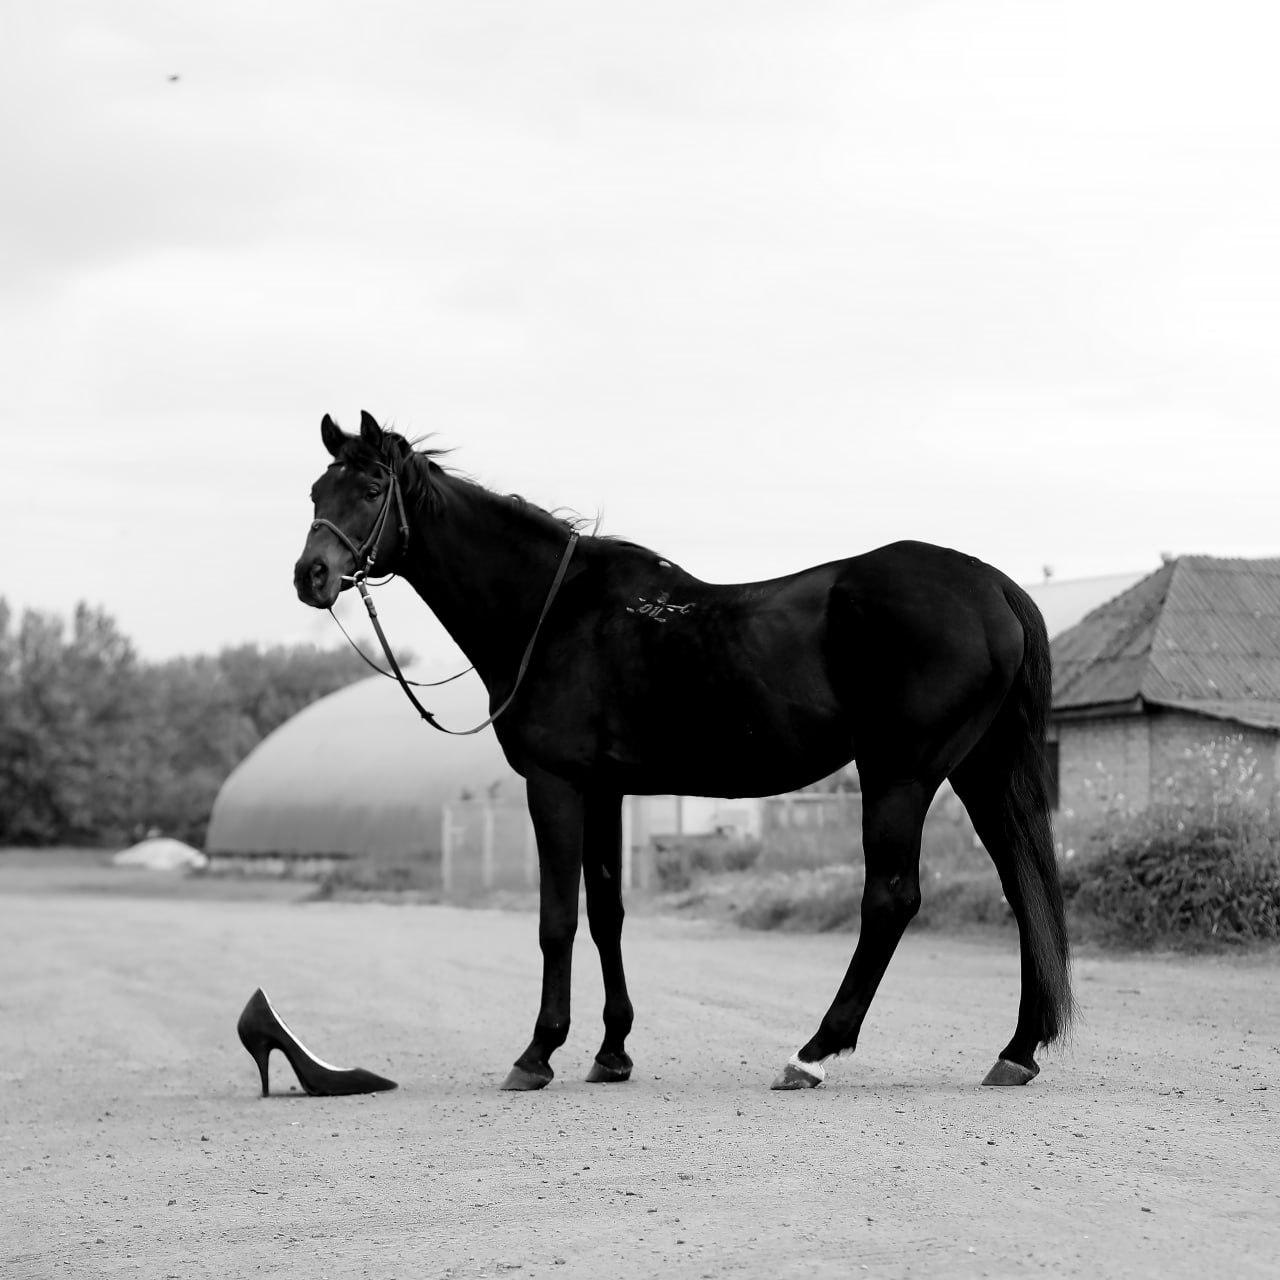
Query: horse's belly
x: 719, y: 751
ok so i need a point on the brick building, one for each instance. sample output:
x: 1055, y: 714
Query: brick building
x: 1169, y: 694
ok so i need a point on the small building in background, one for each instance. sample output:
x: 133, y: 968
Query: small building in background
x: 1169, y: 694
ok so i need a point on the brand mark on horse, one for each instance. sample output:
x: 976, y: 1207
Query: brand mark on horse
x: 659, y: 610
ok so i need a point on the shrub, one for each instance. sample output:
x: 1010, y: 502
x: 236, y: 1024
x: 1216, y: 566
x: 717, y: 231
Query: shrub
x: 678, y: 859
x: 806, y: 848
x: 817, y: 900
x: 1182, y: 878
x: 962, y: 900
x: 807, y: 901
x: 407, y: 874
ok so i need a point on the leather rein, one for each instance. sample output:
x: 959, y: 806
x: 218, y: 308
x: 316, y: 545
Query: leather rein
x: 364, y: 556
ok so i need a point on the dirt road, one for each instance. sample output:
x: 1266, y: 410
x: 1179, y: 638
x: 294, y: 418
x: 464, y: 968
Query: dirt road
x: 134, y: 1142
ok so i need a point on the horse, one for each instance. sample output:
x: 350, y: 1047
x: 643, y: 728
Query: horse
x: 612, y: 672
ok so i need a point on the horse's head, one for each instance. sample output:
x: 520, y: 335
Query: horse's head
x: 359, y: 523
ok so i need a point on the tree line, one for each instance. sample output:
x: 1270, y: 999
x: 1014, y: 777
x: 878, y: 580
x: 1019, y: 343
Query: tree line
x: 98, y: 746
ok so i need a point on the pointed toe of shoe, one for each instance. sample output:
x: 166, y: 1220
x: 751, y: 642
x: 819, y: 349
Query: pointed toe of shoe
x: 371, y: 1082
x: 351, y: 1080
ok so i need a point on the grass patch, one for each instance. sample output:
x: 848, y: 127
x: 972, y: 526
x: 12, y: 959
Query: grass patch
x: 678, y: 861
x: 823, y: 899
x: 408, y: 879
x: 813, y: 900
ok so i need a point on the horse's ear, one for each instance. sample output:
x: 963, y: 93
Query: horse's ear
x: 332, y: 435
x: 370, y: 432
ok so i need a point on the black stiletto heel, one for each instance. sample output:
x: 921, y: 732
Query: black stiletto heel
x: 261, y: 1029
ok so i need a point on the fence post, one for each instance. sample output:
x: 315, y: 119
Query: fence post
x: 446, y: 850
x: 486, y: 846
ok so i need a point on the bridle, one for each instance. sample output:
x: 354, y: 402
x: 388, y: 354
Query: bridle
x: 365, y: 556
x: 366, y: 553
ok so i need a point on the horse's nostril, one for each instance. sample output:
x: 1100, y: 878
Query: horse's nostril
x: 319, y: 572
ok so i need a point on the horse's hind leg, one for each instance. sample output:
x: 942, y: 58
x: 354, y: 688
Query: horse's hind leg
x: 602, y: 870
x: 1009, y: 811
x: 892, y: 820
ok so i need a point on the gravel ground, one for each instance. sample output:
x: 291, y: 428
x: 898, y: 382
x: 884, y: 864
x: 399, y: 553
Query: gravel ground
x: 133, y: 1141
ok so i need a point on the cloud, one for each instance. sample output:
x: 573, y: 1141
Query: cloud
x: 768, y: 281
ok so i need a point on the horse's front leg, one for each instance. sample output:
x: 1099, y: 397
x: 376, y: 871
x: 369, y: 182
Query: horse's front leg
x: 602, y: 870
x: 557, y: 810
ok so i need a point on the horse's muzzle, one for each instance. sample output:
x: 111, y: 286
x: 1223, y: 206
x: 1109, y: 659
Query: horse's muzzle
x: 316, y: 583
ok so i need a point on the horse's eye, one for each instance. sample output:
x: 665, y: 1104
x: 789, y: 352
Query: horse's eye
x: 372, y: 492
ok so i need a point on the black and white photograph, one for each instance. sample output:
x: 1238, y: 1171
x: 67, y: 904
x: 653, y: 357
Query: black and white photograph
x: 640, y: 640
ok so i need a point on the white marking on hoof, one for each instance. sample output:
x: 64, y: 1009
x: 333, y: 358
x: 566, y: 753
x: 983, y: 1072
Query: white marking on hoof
x: 800, y: 1075
x: 814, y: 1069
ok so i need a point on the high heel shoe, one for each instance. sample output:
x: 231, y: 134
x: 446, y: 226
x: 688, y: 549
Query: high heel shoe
x: 262, y: 1029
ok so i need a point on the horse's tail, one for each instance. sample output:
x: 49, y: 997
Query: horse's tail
x: 1004, y: 784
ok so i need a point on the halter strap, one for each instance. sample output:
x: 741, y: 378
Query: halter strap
x: 561, y: 570
x: 373, y: 666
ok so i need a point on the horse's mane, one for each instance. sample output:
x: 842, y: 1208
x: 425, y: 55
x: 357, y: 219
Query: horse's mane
x: 413, y: 461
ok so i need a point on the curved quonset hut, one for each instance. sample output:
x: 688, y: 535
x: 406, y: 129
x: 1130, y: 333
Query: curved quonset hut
x: 358, y: 773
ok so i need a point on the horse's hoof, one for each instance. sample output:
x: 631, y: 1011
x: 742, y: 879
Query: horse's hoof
x: 522, y: 1079
x: 1006, y: 1072
x: 610, y: 1073
x: 800, y: 1075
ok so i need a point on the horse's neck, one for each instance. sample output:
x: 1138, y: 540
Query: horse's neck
x: 484, y: 566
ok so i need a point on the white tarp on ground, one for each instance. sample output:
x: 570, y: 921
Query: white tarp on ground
x: 160, y: 854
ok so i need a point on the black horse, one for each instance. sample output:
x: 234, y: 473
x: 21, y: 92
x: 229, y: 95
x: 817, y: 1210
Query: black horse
x: 919, y: 663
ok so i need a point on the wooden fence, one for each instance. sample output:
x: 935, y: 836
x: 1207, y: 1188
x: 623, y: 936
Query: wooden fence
x: 489, y: 844
x: 486, y: 844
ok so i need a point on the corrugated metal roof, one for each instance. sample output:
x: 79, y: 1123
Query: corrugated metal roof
x: 1199, y: 633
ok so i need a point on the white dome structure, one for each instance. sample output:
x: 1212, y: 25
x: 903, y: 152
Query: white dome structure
x: 359, y: 772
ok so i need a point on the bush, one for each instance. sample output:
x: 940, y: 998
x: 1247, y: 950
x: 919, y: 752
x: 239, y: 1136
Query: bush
x: 1179, y: 878
x: 963, y: 900
x: 677, y: 859
x: 807, y: 901
x: 807, y: 848
x: 382, y: 876
x: 826, y: 898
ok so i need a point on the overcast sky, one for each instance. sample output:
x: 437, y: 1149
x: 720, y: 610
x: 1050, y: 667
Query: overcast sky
x: 767, y: 282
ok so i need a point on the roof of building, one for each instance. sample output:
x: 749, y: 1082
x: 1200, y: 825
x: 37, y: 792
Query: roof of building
x: 1200, y: 633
